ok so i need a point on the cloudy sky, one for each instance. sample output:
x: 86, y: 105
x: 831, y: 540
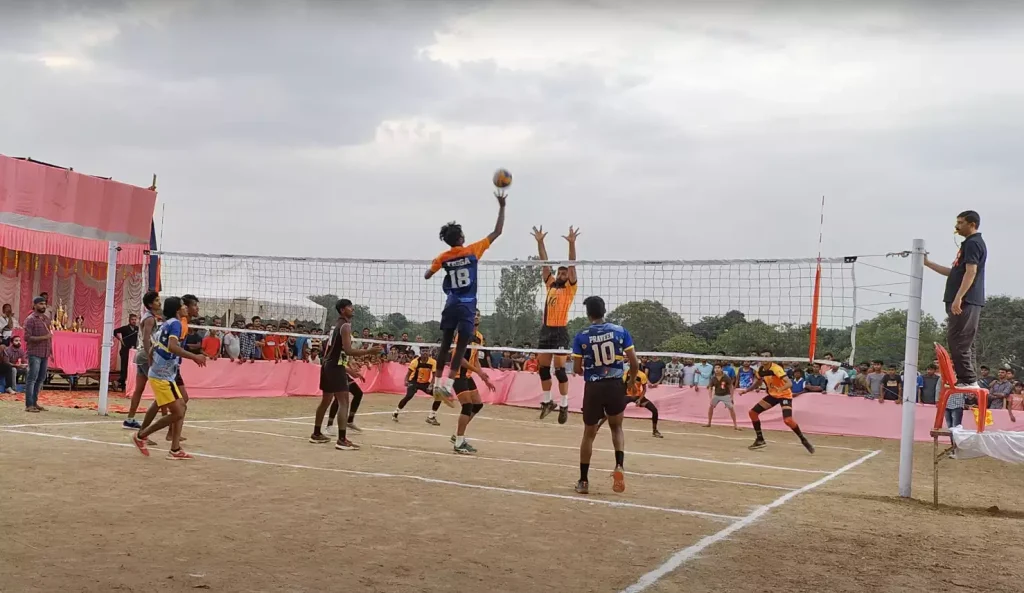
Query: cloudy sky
x: 664, y: 130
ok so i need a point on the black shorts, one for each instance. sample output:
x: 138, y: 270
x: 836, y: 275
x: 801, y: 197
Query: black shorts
x: 414, y: 387
x: 553, y: 338
x: 464, y: 385
x: 770, y: 401
x: 177, y: 379
x: 333, y: 379
x: 603, y: 398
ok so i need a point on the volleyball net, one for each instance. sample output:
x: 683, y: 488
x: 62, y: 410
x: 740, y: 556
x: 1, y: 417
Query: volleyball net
x: 673, y: 308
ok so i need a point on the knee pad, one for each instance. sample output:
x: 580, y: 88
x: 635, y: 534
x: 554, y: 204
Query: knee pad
x: 467, y: 410
x: 545, y: 373
x: 477, y: 408
x: 561, y: 376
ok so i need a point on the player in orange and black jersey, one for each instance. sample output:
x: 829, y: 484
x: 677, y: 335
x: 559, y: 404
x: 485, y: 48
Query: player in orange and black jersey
x: 561, y: 290
x: 636, y: 393
x: 780, y: 393
x: 420, y: 377
x: 466, y: 390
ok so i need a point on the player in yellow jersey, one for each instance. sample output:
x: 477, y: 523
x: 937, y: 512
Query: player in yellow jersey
x: 420, y: 377
x: 554, y: 334
x: 780, y: 393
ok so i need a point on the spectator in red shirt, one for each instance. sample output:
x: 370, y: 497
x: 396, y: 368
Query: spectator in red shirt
x: 40, y: 348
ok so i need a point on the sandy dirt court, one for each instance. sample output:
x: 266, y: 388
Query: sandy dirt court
x: 261, y: 509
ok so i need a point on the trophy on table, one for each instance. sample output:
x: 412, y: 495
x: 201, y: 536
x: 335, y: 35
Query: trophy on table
x: 60, y: 319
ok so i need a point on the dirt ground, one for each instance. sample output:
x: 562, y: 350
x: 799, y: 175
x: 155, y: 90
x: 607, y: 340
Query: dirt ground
x: 262, y: 510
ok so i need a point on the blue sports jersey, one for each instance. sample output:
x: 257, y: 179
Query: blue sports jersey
x: 460, y: 272
x: 602, y: 347
x: 746, y: 377
x: 165, y: 363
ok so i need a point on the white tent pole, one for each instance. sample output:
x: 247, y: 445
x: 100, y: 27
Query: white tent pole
x: 108, y: 327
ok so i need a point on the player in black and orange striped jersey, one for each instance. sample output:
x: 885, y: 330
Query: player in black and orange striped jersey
x: 466, y: 390
x: 636, y: 393
x: 420, y: 377
x: 554, y: 334
x: 780, y: 393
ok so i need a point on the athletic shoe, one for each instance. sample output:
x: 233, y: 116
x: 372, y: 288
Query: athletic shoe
x: 394, y: 417
x: 131, y: 424
x: 180, y: 454
x: 657, y: 434
x: 452, y: 439
x: 346, y: 445
x: 808, y: 446
x: 442, y: 394
x: 433, y: 421
x: 582, y: 487
x: 319, y: 439
x: 546, y: 408
x: 758, y: 444
x: 351, y: 426
x: 972, y: 385
x: 465, y: 448
x: 141, y: 444
x: 11, y: 391
x: 329, y: 430
x: 563, y: 414
x: 618, y: 481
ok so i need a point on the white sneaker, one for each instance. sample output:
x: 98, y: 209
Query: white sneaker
x: 330, y: 431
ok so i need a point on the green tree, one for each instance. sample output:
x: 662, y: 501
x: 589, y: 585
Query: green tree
x: 576, y: 325
x: 884, y: 338
x: 394, y: 323
x: 516, y: 315
x: 650, y: 322
x: 686, y: 343
x: 362, y: 317
x: 752, y: 336
x: 1001, y: 333
x: 709, y: 328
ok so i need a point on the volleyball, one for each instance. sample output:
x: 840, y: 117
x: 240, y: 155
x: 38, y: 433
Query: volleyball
x: 502, y: 178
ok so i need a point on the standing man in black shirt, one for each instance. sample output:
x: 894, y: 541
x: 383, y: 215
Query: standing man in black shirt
x: 964, y: 296
x: 128, y: 336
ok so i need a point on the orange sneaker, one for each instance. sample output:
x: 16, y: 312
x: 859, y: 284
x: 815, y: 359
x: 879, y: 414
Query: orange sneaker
x: 140, y: 444
x: 618, y: 480
x: 179, y: 454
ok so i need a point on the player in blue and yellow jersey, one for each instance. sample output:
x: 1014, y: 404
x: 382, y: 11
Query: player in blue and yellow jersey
x: 598, y: 352
x: 780, y: 393
x: 460, y: 285
x: 166, y: 359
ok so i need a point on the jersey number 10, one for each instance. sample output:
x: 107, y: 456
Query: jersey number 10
x: 604, y: 354
x: 459, y: 277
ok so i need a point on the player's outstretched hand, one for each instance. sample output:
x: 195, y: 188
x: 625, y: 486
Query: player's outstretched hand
x: 501, y: 195
x: 487, y: 382
x: 573, y: 234
x: 539, y: 234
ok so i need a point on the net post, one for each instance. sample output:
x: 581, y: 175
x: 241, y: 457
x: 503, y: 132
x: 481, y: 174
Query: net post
x: 107, y: 341
x: 910, y: 368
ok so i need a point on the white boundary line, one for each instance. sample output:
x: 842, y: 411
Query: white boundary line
x: 661, y: 455
x: 689, y: 553
x: 506, y: 460
x: 352, y: 472
x: 190, y: 421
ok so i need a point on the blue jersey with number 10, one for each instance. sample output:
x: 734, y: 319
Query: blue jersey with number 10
x: 602, y: 347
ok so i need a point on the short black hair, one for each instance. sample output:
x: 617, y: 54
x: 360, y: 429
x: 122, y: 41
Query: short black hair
x: 451, y: 233
x: 190, y: 299
x: 171, y: 306
x: 135, y: 315
x: 767, y: 351
x: 971, y: 217
x: 595, y: 307
x: 985, y: 367
x: 933, y: 366
x: 341, y: 304
x: 149, y: 298
x: 878, y: 361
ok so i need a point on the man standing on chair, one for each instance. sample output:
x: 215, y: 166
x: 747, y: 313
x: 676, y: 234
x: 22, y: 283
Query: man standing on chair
x: 554, y: 334
x: 964, y: 296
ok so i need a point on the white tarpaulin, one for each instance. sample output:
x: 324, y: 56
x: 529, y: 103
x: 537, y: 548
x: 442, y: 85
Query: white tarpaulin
x: 1000, y: 444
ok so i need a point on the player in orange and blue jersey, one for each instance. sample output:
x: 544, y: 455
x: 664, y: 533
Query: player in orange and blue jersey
x: 780, y: 393
x: 598, y: 353
x: 460, y: 285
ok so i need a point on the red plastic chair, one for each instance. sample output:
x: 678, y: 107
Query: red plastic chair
x: 949, y: 388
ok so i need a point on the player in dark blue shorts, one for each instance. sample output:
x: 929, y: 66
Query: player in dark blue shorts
x: 460, y: 284
x: 598, y: 352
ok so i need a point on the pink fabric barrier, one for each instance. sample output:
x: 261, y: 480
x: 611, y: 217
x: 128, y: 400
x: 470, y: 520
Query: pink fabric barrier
x: 816, y: 413
x: 56, y: 200
x: 74, y: 353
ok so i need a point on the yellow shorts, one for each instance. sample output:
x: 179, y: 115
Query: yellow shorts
x: 164, y: 391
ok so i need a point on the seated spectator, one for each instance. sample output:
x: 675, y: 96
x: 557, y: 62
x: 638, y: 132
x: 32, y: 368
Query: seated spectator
x: 928, y: 385
x: 13, y: 361
x: 814, y: 381
x: 799, y: 382
x: 7, y: 324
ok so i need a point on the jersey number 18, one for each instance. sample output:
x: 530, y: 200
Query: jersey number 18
x: 459, y: 277
x: 604, y: 354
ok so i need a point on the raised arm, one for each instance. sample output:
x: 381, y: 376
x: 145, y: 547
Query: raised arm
x: 571, y: 238
x: 499, y: 225
x: 542, y: 252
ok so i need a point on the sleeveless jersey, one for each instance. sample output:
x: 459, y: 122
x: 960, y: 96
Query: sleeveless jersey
x: 335, y: 354
x: 602, y: 347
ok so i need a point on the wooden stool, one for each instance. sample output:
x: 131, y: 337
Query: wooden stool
x: 937, y: 456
